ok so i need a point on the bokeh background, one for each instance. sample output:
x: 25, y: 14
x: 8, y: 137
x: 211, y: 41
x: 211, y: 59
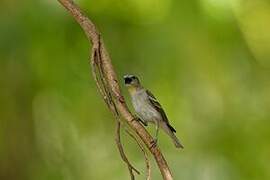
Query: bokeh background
x: 207, y: 61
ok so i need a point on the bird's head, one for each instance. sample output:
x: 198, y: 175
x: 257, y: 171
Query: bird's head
x: 132, y: 81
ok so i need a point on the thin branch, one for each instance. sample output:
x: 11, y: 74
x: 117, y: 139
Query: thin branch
x: 98, y: 74
x: 147, y: 162
x: 94, y: 62
x: 110, y: 89
x: 122, y: 153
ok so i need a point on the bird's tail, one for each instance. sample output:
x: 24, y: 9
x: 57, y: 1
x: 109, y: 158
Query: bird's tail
x: 170, y: 131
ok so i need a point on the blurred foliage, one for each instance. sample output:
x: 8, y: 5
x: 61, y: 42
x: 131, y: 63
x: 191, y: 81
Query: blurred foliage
x: 207, y: 61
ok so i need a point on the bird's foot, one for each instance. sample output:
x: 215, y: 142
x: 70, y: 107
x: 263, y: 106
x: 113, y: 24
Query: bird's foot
x: 153, y: 143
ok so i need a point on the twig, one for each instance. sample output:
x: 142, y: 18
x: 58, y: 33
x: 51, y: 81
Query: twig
x: 122, y: 153
x: 147, y: 162
x: 108, y: 84
x: 104, y: 90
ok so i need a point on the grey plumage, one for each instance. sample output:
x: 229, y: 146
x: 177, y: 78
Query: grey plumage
x: 149, y: 109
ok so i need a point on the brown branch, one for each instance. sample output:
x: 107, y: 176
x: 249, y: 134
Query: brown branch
x: 122, y: 153
x: 98, y: 74
x: 108, y: 84
x: 147, y: 162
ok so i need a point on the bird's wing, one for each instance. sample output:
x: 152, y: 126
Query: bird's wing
x: 158, y: 107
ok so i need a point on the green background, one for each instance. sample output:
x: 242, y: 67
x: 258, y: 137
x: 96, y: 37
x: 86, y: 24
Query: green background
x: 207, y: 61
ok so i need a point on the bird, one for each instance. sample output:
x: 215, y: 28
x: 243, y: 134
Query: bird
x: 148, y: 109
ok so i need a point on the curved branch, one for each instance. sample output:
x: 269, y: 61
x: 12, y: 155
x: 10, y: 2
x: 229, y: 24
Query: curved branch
x: 122, y: 153
x: 147, y: 162
x: 103, y: 89
x: 114, y: 96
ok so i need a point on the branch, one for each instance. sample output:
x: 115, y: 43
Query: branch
x: 98, y: 74
x: 147, y: 162
x: 108, y: 86
x: 122, y: 153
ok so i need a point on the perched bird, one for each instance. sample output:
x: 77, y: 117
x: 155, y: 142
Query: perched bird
x: 148, y: 109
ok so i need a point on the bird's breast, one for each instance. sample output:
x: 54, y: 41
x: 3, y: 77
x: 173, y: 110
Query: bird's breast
x: 144, y: 109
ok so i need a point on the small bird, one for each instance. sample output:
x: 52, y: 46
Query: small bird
x: 148, y: 109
